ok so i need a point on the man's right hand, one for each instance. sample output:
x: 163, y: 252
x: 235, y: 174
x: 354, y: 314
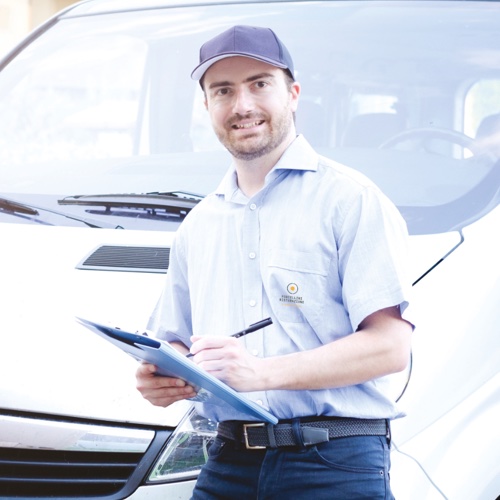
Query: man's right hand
x: 158, y: 390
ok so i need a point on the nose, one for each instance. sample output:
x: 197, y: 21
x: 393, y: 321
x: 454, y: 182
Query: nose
x: 243, y: 102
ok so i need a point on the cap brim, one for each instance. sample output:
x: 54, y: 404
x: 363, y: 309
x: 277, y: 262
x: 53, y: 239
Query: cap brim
x: 201, y: 69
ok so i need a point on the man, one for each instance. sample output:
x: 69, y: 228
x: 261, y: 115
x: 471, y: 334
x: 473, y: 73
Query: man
x: 318, y: 248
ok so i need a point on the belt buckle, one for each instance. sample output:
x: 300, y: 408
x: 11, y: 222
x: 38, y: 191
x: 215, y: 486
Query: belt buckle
x: 245, y: 435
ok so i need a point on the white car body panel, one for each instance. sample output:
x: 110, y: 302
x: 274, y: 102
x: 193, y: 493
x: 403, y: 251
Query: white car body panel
x: 52, y: 295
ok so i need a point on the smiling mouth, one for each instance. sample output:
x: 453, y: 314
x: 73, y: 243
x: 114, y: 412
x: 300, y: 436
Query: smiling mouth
x: 243, y: 126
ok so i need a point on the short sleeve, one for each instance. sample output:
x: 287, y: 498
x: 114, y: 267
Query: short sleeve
x: 373, y: 256
x: 171, y: 317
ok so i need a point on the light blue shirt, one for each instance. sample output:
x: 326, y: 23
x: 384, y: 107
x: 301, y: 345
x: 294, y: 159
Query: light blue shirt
x: 318, y: 249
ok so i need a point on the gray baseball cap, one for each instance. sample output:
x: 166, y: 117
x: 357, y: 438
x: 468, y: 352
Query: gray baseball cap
x: 247, y: 41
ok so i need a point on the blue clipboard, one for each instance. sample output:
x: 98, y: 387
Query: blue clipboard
x: 172, y: 363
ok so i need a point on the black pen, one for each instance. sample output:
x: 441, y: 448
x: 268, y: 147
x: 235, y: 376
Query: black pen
x: 252, y: 328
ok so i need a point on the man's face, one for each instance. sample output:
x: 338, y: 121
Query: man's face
x: 251, y: 106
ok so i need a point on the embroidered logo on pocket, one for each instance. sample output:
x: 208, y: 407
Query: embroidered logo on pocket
x: 292, y: 299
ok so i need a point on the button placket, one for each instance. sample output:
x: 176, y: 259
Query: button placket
x: 252, y: 286
x: 252, y: 282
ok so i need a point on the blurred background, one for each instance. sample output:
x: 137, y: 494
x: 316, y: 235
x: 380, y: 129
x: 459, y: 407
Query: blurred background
x: 19, y: 17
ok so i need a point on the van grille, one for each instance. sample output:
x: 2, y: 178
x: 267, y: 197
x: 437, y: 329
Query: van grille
x: 43, y: 458
x: 48, y: 473
x: 127, y: 258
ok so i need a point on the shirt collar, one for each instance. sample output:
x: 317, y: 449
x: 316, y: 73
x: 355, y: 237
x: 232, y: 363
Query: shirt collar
x: 298, y: 156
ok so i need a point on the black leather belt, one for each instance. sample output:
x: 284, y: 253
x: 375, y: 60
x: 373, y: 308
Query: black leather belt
x: 300, y: 432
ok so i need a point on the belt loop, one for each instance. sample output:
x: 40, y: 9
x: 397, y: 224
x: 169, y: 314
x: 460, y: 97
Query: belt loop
x: 297, y: 432
x: 388, y: 435
x: 270, y: 434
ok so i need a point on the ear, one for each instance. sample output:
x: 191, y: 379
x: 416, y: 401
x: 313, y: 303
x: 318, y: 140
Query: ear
x: 294, y: 93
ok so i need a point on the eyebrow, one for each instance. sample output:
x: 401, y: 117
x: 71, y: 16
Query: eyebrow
x: 250, y: 79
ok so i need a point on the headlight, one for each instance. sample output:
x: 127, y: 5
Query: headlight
x: 186, y: 450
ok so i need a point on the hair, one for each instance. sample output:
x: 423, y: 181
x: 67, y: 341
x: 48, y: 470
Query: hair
x: 289, y: 79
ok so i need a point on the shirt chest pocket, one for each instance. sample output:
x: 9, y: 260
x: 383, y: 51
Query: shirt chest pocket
x: 297, y: 284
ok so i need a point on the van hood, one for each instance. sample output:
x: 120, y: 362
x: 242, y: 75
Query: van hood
x: 50, y: 364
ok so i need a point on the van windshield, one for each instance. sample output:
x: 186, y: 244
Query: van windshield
x: 104, y: 104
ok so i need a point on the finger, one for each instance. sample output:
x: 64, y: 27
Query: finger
x: 145, y: 369
x: 167, y: 392
x: 210, y: 343
x: 151, y: 382
x: 162, y: 399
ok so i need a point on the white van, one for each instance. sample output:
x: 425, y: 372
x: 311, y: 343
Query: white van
x: 105, y: 146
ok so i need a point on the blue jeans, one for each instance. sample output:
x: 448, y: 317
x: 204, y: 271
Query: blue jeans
x: 344, y: 468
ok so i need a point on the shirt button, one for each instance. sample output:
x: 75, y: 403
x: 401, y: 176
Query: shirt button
x: 252, y: 303
x: 253, y: 206
x: 259, y: 402
x: 252, y: 255
x: 255, y: 352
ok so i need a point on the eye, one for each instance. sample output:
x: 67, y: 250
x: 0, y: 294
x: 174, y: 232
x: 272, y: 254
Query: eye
x: 261, y: 85
x: 222, y: 91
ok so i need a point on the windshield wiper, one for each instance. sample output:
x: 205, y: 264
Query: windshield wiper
x: 179, y: 194
x: 16, y: 208
x: 24, y: 210
x: 173, y: 203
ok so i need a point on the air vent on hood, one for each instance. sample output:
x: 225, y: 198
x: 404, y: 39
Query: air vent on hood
x: 127, y: 258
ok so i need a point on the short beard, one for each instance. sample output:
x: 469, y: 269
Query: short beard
x: 259, y: 153
x: 279, y: 133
